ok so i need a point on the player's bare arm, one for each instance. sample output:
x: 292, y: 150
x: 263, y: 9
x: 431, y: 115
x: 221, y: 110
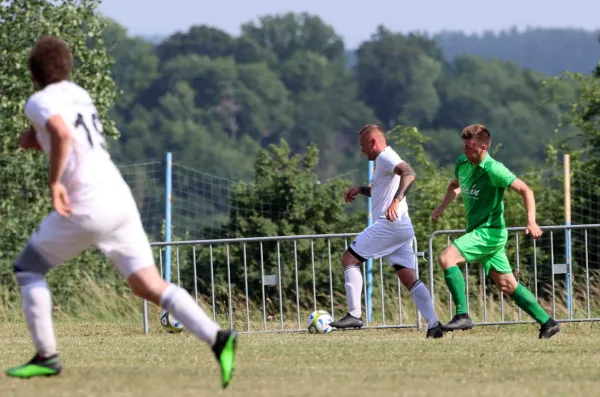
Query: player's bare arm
x: 407, y: 178
x: 529, y: 199
x: 452, y: 192
x: 355, y: 191
x: 60, y: 142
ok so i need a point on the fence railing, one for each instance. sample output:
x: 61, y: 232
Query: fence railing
x: 271, y: 284
x: 268, y: 284
x: 561, y: 282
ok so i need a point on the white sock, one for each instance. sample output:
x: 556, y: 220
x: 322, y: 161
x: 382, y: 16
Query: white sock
x: 424, y: 304
x: 354, y: 284
x: 184, y: 308
x: 37, y: 306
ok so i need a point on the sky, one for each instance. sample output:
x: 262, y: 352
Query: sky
x: 356, y: 20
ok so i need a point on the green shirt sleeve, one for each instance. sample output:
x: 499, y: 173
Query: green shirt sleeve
x: 500, y: 176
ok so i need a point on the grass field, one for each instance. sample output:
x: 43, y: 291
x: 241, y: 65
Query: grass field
x: 118, y: 360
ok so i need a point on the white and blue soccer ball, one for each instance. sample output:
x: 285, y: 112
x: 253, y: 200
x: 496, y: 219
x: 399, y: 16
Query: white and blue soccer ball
x: 170, y: 323
x: 319, y: 322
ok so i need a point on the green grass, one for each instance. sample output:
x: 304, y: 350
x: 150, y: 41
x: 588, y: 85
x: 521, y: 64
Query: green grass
x: 110, y: 359
x: 106, y: 354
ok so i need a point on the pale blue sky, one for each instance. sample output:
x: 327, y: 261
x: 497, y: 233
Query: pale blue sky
x: 355, y: 21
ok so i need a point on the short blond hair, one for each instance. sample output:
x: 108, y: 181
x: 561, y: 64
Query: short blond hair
x: 478, y: 132
x: 370, y: 128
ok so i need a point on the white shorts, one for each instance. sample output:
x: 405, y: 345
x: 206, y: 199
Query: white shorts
x: 116, y: 230
x: 384, y: 239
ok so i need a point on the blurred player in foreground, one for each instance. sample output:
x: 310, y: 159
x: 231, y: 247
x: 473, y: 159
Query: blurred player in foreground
x: 482, y: 182
x: 93, y: 206
x: 391, y: 234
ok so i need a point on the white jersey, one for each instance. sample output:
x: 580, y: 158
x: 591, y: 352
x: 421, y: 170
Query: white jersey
x: 104, y: 213
x: 89, y: 170
x: 384, y: 186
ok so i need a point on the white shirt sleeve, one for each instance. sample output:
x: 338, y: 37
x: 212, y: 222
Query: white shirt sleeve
x: 38, y: 109
x: 389, y: 161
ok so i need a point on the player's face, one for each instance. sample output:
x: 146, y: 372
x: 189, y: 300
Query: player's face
x: 473, y: 150
x: 367, y: 145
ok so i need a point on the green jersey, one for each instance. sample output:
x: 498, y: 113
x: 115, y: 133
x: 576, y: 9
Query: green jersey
x: 482, y: 187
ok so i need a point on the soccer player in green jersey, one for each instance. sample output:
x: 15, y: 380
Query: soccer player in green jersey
x: 482, y: 182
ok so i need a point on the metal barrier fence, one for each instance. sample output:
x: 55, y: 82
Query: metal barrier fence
x: 271, y: 284
x: 249, y: 281
x: 570, y: 298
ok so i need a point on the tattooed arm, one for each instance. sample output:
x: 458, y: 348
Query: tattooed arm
x: 407, y: 178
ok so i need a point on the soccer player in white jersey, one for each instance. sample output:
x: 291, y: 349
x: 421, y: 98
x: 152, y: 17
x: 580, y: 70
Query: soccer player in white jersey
x: 93, y: 206
x: 391, y: 234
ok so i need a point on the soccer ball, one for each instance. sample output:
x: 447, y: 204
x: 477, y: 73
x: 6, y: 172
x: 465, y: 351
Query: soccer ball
x: 318, y: 322
x: 170, y: 323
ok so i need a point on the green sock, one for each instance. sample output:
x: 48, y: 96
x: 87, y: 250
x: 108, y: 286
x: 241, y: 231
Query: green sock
x: 456, y: 285
x: 526, y: 301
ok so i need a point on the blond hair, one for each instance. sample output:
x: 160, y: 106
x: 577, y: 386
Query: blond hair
x: 370, y: 128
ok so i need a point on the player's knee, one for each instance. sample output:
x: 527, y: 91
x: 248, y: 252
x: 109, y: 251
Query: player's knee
x: 30, y: 266
x: 449, y: 257
x: 506, y: 286
x: 444, y: 260
x: 350, y: 258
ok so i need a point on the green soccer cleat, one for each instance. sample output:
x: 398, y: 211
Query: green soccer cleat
x: 37, y: 366
x: 224, y: 349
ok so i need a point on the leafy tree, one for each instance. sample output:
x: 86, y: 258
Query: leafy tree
x: 502, y: 96
x: 284, y: 198
x: 286, y: 34
x: 136, y: 65
x: 583, y: 113
x: 396, y: 77
x: 198, y: 40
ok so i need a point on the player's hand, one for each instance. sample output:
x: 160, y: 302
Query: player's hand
x: 392, y: 212
x: 439, y: 211
x: 27, y: 139
x: 60, y: 199
x: 533, y: 229
x: 352, y: 193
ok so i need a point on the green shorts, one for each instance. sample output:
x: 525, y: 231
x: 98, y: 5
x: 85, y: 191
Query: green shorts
x: 486, y: 246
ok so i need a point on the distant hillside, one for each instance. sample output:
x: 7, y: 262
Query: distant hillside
x: 550, y: 51
x: 544, y: 50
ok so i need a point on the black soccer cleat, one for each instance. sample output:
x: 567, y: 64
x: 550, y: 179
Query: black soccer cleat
x: 549, y: 329
x: 349, y: 321
x: 435, y: 332
x: 459, y: 322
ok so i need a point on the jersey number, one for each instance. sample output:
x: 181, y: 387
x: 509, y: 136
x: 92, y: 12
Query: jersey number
x: 95, y: 121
